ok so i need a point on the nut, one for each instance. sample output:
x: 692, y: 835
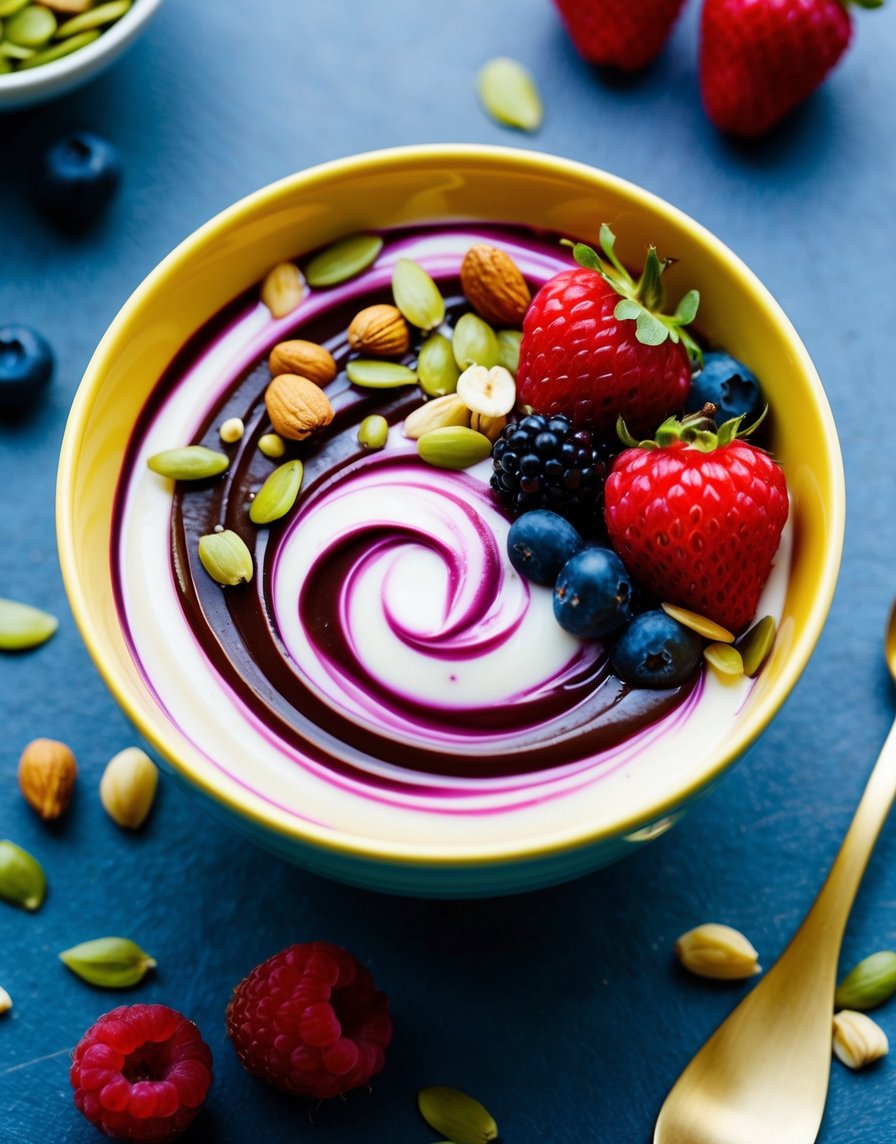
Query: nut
x: 296, y: 406
x: 5, y: 1001
x: 488, y: 426
x: 858, y: 1041
x: 381, y: 331
x: 47, y: 773
x: 494, y: 285
x: 491, y: 392
x: 436, y: 414
x: 307, y: 359
x: 283, y: 289
x: 128, y: 787
x: 713, y: 950
x: 232, y: 430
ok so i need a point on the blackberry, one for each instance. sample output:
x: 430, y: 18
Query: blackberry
x: 543, y: 462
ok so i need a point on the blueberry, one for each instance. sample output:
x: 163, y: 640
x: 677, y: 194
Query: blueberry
x: 656, y: 651
x: 77, y: 177
x: 539, y: 543
x: 592, y: 596
x: 729, y: 385
x: 26, y: 366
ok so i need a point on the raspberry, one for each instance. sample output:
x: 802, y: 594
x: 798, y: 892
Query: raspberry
x: 141, y: 1073
x: 310, y: 1021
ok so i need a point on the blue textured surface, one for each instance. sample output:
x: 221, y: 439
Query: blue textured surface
x: 563, y: 1009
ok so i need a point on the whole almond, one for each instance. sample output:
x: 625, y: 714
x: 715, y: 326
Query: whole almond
x: 296, y: 406
x: 381, y: 331
x: 47, y: 773
x: 494, y: 285
x: 307, y: 359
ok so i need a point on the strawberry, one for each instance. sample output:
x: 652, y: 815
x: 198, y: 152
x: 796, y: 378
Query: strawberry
x: 624, y: 34
x: 696, y: 516
x: 596, y: 346
x: 760, y: 58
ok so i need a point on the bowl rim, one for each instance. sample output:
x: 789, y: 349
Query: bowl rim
x: 222, y: 789
x: 63, y: 74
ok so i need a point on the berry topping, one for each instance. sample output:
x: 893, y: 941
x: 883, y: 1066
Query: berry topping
x: 656, y: 651
x: 141, y: 1072
x: 727, y: 384
x: 310, y: 1021
x: 539, y: 543
x: 26, y: 366
x: 543, y: 462
x: 593, y: 594
x: 77, y: 177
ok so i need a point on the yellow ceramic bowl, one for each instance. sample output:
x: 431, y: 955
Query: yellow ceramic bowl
x: 547, y: 831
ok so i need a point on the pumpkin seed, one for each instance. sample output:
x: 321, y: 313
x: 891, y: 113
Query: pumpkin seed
x: 453, y: 447
x: 10, y: 7
x: 457, y: 1116
x: 869, y: 983
x: 22, y: 880
x: 509, y: 349
x: 707, y: 628
x: 271, y: 445
x: 190, y: 463
x: 343, y: 260
x: 31, y: 28
x: 436, y: 368
x: 724, y: 658
x: 23, y: 627
x: 10, y: 51
x: 226, y: 557
x: 57, y: 51
x: 110, y: 962
x: 416, y: 295
x: 509, y: 94
x: 94, y: 18
x: 379, y: 374
x: 278, y: 493
x: 475, y: 343
x: 373, y: 432
x: 757, y: 644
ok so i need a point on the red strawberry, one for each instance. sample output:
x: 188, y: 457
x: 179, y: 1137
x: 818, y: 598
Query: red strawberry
x: 624, y: 34
x: 696, y: 517
x: 596, y: 346
x: 760, y: 58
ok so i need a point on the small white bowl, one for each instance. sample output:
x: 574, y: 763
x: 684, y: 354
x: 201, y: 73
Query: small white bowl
x: 34, y: 85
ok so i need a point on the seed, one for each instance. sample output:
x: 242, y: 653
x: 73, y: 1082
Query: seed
x: 869, y: 983
x: 272, y: 445
x: 10, y: 51
x: 57, y: 51
x: 226, y: 558
x: 191, y: 463
x: 436, y: 368
x: 475, y: 343
x: 232, y: 430
x: 453, y: 447
x: 128, y: 787
x: 416, y: 295
x: 95, y: 18
x: 709, y: 629
x: 509, y: 349
x: 713, y: 950
x: 724, y: 658
x: 379, y: 374
x: 858, y: 1041
x: 457, y: 1116
x: 278, y: 493
x: 436, y: 414
x: 22, y: 880
x: 31, y: 27
x: 756, y: 645
x: 283, y: 289
x: 373, y: 432
x: 23, y: 627
x: 509, y: 94
x: 343, y: 260
x: 109, y: 962
x: 47, y: 774
x: 9, y: 7
x: 5, y: 1001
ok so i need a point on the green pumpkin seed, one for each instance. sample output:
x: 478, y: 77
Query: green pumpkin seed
x: 343, y: 260
x: 22, y: 880
x: 379, y: 374
x: 757, y: 644
x: 32, y: 27
x: 475, y: 343
x: 278, y: 493
x: 453, y: 447
x: 436, y: 367
x: 9, y: 7
x: 15, y: 51
x: 226, y: 558
x: 110, y: 962
x: 509, y: 349
x: 416, y: 295
x: 373, y: 432
x: 94, y: 18
x: 63, y: 48
x: 724, y: 658
x: 869, y: 983
x: 509, y: 94
x: 191, y: 463
x: 23, y: 627
x: 457, y: 1116
x: 272, y: 446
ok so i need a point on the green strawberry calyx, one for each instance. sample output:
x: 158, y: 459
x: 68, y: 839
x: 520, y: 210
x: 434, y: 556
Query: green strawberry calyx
x: 642, y: 301
x: 695, y: 429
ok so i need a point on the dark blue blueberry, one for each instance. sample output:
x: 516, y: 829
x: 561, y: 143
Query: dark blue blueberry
x: 592, y: 596
x: 77, y: 176
x: 539, y: 543
x: 729, y: 385
x: 656, y: 651
x: 26, y: 366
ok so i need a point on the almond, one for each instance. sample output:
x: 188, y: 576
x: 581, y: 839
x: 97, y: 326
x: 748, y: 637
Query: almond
x: 307, y: 359
x: 283, y: 289
x: 494, y: 285
x: 381, y: 331
x: 47, y: 773
x: 436, y: 414
x: 296, y: 406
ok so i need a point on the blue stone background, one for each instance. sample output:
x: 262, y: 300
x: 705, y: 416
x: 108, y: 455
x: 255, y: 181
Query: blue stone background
x: 562, y: 1010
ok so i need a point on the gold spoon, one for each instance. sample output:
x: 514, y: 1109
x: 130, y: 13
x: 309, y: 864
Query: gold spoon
x: 763, y: 1075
